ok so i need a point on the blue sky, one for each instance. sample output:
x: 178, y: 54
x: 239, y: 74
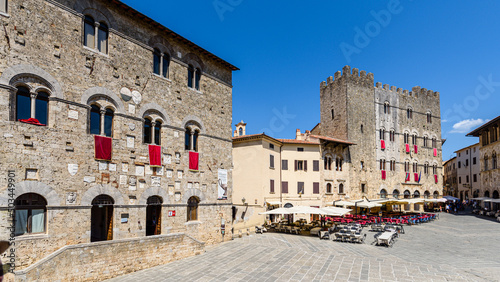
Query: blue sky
x: 286, y: 48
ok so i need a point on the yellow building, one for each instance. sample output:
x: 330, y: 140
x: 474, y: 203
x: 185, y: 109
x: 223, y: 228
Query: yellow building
x: 270, y: 173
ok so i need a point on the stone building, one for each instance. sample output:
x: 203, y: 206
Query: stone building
x: 269, y: 173
x: 489, y: 147
x: 467, y: 172
x: 397, y: 135
x: 450, y: 181
x: 116, y: 140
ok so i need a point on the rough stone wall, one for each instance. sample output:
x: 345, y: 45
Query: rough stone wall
x: 44, y: 48
x: 86, y: 262
x: 491, y: 177
x: 358, y: 102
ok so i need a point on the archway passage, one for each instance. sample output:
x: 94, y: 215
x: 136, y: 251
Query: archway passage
x: 153, y: 216
x: 101, y: 219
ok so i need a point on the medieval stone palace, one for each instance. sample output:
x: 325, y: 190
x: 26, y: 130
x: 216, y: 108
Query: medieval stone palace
x: 115, y: 146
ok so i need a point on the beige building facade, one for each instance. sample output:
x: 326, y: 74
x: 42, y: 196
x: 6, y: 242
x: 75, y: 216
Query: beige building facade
x: 450, y: 179
x: 116, y: 135
x: 468, y: 170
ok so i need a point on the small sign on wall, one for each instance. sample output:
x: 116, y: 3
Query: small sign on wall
x: 171, y: 213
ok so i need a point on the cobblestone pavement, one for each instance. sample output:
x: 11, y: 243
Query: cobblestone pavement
x: 453, y: 248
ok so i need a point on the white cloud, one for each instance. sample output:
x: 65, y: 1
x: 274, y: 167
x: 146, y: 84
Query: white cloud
x: 465, y: 126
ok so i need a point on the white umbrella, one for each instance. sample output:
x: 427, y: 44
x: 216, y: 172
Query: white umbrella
x: 442, y: 200
x: 450, y: 198
x: 306, y: 209
x: 335, y: 211
x: 278, y: 211
x: 481, y: 198
x: 344, y: 203
x: 368, y: 205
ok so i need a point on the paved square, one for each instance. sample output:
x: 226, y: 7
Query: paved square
x: 453, y: 248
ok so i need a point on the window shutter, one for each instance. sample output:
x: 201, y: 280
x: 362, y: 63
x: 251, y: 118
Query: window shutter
x: 272, y: 186
x: 316, y: 187
x: 284, y: 187
x: 284, y: 164
x: 296, y: 164
x: 315, y: 165
x: 305, y: 165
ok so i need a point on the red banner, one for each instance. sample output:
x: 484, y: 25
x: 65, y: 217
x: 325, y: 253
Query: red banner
x: 193, y: 160
x: 435, y: 178
x: 103, y: 147
x: 407, y: 148
x: 31, y: 121
x: 383, y: 174
x: 416, y: 176
x: 435, y: 152
x: 407, y: 177
x: 154, y: 155
x: 415, y: 149
x: 382, y: 144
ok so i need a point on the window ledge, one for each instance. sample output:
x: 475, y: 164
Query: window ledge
x: 193, y: 222
x: 31, y: 237
x: 4, y: 15
x: 162, y: 77
x: 271, y: 168
x: 195, y: 90
x: 95, y: 51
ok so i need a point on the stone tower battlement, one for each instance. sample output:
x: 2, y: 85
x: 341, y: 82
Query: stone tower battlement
x: 350, y: 76
x: 416, y: 91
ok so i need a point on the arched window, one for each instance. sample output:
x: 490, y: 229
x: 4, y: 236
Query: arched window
x: 32, y: 105
x: 429, y: 117
x: 30, y: 214
x: 485, y: 162
x: 416, y: 194
x: 395, y: 193
x: 153, y: 216
x: 435, y: 194
x: 495, y: 194
x: 426, y: 168
x: 407, y: 194
x: 341, y: 188
x: 191, y: 140
x: 361, y: 128
x: 409, y: 113
x: 157, y: 132
x: 23, y: 103
x: 190, y: 76
x: 406, y: 137
x: 414, y: 139
x: 161, y: 63
x: 427, y: 194
x: 328, y: 188
x: 487, y: 194
x: 90, y: 29
x: 240, y: 132
x: 89, y: 32
x: 192, y: 208
x: 101, y: 121
x: 95, y: 120
x: 147, y: 134
x: 425, y: 141
x: 383, y: 194
x: 338, y: 164
x: 387, y: 108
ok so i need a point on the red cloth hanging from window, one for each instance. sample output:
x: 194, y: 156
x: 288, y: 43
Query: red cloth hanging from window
x: 193, y: 160
x: 383, y: 174
x: 435, y: 152
x: 407, y: 148
x: 407, y: 177
x: 435, y: 178
x: 382, y: 144
x: 416, y: 176
x: 154, y: 155
x: 103, y: 147
x: 32, y: 121
x: 415, y: 149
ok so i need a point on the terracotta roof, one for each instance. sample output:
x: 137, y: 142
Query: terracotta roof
x: 154, y: 23
x: 333, y: 139
x: 295, y: 141
x: 250, y: 135
x: 478, y: 130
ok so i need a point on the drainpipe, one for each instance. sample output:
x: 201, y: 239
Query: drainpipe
x: 281, y: 180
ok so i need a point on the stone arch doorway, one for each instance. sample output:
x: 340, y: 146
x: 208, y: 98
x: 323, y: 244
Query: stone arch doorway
x: 101, y: 219
x: 153, y: 216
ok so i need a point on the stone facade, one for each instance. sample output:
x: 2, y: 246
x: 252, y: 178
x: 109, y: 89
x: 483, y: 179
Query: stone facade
x: 353, y: 109
x: 450, y: 180
x: 488, y: 155
x: 43, y: 50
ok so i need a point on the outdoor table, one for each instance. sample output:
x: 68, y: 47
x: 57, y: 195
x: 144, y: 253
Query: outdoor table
x: 385, y: 238
x: 324, y: 235
x: 315, y: 230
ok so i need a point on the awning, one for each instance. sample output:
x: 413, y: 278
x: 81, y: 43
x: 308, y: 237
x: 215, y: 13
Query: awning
x: 273, y: 203
x: 306, y: 210
x: 368, y: 205
x: 481, y: 198
x: 278, y: 211
x: 343, y: 203
x: 451, y: 198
